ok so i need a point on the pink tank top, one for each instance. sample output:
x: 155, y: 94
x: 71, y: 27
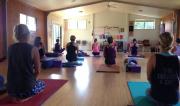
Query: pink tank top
x: 95, y: 47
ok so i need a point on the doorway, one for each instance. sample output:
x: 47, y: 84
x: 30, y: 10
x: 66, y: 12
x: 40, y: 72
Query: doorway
x: 56, y: 34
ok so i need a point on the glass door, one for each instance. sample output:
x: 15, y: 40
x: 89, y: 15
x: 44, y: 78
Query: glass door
x: 56, y: 34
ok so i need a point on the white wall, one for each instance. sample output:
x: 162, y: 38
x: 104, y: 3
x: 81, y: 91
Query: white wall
x: 81, y: 34
x: 112, y: 19
x: 99, y: 20
x: 149, y: 34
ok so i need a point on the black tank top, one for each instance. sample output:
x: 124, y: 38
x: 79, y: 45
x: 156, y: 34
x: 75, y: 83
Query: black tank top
x: 165, y: 79
x: 71, y: 52
x: 20, y: 77
x: 134, y: 50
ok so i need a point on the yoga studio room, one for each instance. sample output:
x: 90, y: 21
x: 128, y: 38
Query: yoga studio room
x: 89, y: 52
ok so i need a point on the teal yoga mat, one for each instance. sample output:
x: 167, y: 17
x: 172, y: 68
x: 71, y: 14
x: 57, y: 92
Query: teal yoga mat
x: 138, y: 93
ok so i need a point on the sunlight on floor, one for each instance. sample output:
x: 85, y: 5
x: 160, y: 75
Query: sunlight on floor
x: 82, y: 77
x: 55, y: 76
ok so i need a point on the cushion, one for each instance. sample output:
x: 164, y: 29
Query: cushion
x: 133, y: 68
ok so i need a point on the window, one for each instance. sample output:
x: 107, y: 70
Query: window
x: 29, y: 21
x: 56, y: 32
x: 74, y: 24
x: 82, y: 24
x: 139, y: 25
x: 144, y: 24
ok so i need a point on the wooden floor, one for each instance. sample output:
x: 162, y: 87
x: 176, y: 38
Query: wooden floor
x: 86, y: 87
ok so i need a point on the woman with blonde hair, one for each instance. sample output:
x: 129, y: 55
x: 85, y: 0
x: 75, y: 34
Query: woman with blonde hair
x: 163, y: 73
x: 72, y: 50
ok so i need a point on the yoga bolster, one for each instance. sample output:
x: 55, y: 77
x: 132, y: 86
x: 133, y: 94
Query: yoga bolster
x: 133, y: 68
x: 47, y: 64
x: 80, y: 55
x: 140, y: 56
x: 50, y: 63
x: 71, y: 64
x: 68, y: 65
x: 52, y: 54
x: 57, y: 63
x: 130, y: 61
x: 80, y: 58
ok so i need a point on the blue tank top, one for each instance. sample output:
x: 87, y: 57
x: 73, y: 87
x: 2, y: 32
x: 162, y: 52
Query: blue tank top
x: 20, y: 76
x: 165, y: 79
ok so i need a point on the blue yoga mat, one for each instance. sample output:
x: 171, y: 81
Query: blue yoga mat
x: 71, y: 64
x: 138, y: 93
x: 80, y: 58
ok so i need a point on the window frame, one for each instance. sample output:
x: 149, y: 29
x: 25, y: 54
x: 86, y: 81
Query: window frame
x: 145, y: 24
x: 77, y: 24
x: 72, y: 24
x: 27, y: 22
x: 82, y: 22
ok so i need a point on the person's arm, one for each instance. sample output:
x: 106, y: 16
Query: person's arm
x: 114, y: 52
x: 130, y: 45
x: 150, y: 66
x: 77, y: 48
x: 36, y: 59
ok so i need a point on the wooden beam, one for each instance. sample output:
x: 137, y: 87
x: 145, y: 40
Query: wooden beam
x: 117, y: 1
x: 75, y: 6
x: 139, y: 4
x: 169, y: 17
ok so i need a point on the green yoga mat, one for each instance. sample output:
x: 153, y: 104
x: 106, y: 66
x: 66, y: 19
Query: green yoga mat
x: 138, y: 93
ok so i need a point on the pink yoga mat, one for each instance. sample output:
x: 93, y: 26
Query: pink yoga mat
x: 51, y: 87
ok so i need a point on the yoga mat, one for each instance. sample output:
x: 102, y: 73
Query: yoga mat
x: 108, y: 69
x: 138, y: 93
x: 72, y: 64
x: 51, y: 87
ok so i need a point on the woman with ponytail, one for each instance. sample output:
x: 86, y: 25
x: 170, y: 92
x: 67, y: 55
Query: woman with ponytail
x: 163, y: 73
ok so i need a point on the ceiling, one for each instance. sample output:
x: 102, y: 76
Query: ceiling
x: 153, y: 8
x: 114, y: 6
x: 47, y: 5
